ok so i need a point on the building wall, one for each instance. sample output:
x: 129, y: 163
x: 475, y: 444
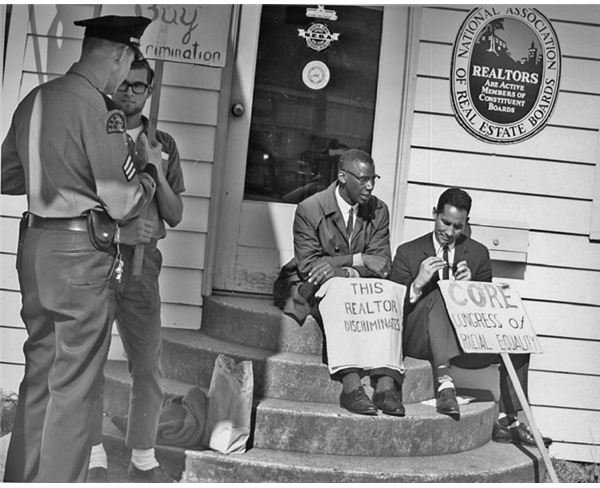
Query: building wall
x: 43, y: 45
x: 537, y: 197
x: 542, y: 188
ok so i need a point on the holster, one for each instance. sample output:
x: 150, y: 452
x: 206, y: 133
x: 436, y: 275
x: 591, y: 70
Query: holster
x: 102, y: 229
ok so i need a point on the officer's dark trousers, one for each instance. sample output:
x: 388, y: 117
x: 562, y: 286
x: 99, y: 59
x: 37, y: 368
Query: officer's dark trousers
x: 67, y: 312
x: 138, y: 321
x: 429, y: 334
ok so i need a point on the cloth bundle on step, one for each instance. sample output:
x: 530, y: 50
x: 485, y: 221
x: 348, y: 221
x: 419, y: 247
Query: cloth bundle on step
x: 229, y: 406
x: 181, y: 422
x: 182, y: 419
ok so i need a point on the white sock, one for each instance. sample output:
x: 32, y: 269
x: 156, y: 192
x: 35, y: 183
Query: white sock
x: 143, y: 459
x: 446, y: 384
x: 515, y: 422
x: 444, y: 380
x: 98, y: 457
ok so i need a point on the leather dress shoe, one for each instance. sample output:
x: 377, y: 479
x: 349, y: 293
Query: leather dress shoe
x: 97, y: 475
x: 521, y: 435
x: 389, y: 402
x: 446, y: 403
x: 154, y: 475
x: 357, y: 401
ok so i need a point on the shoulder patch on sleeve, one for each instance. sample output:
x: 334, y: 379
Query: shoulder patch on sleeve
x: 115, y: 123
x: 129, y: 168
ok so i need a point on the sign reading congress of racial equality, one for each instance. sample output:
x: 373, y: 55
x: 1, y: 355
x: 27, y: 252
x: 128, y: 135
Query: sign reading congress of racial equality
x: 362, y: 319
x: 193, y: 34
x: 505, y: 73
x: 489, y: 318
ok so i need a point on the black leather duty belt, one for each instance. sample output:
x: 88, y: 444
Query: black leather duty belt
x: 76, y: 224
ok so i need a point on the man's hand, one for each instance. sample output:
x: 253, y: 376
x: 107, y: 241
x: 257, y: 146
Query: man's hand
x: 429, y: 267
x: 137, y: 232
x: 377, y: 264
x: 462, y: 273
x: 322, y: 271
x: 152, y: 154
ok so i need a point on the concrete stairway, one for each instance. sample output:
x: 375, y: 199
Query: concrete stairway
x: 300, y: 434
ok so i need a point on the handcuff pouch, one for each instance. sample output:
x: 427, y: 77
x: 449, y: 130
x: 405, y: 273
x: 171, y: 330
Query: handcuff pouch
x: 102, y: 229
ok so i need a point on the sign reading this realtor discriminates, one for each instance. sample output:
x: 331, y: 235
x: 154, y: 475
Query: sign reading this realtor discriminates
x: 192, y: 34
x: 489, y: 318
x: 362, y: 318
x: 505, y: 73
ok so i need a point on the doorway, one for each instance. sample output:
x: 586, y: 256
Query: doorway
x: 308, y: 83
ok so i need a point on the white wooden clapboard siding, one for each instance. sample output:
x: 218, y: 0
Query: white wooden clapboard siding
x: 564, y: 320
x: 546, y: 182
x: 584, y: 357
x: 560, y: 431
x: 8, y: 276
x: 502, y: 173
x: 11, y: 308
x: 540, y: 212
x: 10, y: 234
x: 442, y: 131
x: 10, y: 376
x: 11, y: 344
x: 197, y: 175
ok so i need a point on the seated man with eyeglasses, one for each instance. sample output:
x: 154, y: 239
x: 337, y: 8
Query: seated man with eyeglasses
x: 137, y: 297
x: 343, y: 231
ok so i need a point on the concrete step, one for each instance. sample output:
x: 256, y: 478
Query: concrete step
x: 328, y: 429
x: 491, y: 462
x: 189, y: 356
x: 256, y: 322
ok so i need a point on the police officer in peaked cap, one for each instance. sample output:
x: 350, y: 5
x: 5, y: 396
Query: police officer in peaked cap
x: 66, y: 150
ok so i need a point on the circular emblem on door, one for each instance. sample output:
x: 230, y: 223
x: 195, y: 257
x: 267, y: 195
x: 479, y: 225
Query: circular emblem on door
x: 315, y: 75
x: 505, y: 73
x: 318, y: 36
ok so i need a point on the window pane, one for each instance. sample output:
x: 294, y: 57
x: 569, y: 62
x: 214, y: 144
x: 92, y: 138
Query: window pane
x: 300, y: 127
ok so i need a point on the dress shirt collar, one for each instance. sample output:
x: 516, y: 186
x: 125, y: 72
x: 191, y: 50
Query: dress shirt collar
x: 344, y: 206
x: 438, y: 247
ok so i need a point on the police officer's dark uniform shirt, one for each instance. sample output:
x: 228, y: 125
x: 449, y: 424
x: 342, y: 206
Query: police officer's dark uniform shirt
x: 66, y: 149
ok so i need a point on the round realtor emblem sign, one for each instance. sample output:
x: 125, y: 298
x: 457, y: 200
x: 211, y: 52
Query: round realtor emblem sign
x: 315, y: 75
x: 505, y: 73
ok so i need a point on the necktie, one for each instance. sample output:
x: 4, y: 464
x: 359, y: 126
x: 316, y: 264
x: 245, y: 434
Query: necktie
x: 446, y: 271
x: 350, y: 223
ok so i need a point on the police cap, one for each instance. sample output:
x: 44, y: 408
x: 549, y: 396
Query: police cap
x: 117, y: 28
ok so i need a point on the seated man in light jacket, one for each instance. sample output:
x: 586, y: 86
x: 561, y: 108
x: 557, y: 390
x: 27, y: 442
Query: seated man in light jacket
x: 343, y: 231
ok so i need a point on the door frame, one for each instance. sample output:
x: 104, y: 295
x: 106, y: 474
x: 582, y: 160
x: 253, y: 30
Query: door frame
x: 391, y: 135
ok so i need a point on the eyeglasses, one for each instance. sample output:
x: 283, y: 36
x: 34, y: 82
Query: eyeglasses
x: 363, y: 180
x: 138, y: 87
